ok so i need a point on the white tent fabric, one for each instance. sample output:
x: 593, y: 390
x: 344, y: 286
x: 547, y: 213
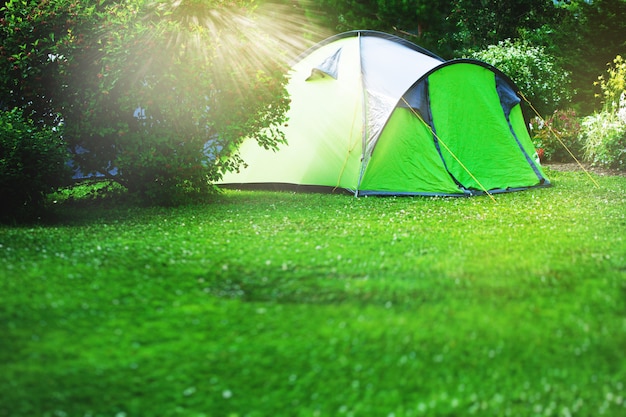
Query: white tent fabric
x: 324, y: 79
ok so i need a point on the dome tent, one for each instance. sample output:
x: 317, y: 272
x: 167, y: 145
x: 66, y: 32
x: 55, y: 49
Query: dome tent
x: 377, y: 115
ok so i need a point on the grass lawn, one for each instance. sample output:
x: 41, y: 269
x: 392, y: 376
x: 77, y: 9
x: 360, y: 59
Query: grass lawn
x: 280, y: 304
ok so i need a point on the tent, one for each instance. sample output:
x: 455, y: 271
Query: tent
x: 377, y: 115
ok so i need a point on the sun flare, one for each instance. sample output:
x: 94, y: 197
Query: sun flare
x: 260, y: 36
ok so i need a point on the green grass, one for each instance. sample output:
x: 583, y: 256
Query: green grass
x: 281, y: 304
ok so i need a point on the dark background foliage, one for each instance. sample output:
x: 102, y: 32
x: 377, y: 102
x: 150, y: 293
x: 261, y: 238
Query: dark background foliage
x: 33, y: 163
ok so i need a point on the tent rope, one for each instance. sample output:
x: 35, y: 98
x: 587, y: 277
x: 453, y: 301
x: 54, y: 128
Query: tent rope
x: 350, y: 149
x: 448, y: 149
x: 558, y: 137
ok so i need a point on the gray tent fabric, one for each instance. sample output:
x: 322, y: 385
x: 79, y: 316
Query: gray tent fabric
x: 328, y: 67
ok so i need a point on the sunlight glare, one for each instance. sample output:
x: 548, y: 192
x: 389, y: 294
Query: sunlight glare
x: 262, y: 37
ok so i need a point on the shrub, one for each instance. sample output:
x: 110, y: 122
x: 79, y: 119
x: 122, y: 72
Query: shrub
x: 563, y: 123
x: 33, y: 162
x: 544, y: 83
x: 90, y: 191
x: 159, y: 169
x: 613, y: 86
x: 605, y: 140
x: 605, y: 132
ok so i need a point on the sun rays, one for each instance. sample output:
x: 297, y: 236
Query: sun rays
x: 234, y: 35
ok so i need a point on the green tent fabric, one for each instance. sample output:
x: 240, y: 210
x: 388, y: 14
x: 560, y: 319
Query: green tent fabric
x: 486, y: 148
x: 405, y: 160
x: 374, y: 114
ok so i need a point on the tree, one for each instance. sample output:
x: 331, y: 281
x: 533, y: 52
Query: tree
x: 423, y: 22
x: 449, y: 28
x: 591, y: 36
x: 479, y: 23
x: 42, y: 43
x: 162, y: 91
x: 582, y: 35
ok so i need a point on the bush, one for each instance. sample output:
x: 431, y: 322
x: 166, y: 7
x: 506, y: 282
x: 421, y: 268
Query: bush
x: 158, y: 168
x: 544, y: 83
x: 33, y: 162
x: 563, y: 123
x: 200, y: 74
x: 89, y: 192
x: 605, y: 132
x: 605, y: 140
x: 613, y: 86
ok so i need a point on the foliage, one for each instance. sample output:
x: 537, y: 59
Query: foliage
x: 280, y: 304
x: 163, y: 91
x: 535, y: 72
x: 89, y: 192
x: 605, y: 132
x: 613, y: 86
x: 559, y: 131
x: 32, y: 163
x: 582, y: 35
x: 445, y: 27
x: 47, y: 51
x: 595, y: 39
x: 422, y: 22
x: 480, y: 23
x: 605, y: 140
x: 188, y: 126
